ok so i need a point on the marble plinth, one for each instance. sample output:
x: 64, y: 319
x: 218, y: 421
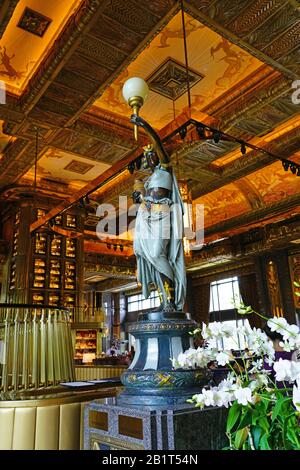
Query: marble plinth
x: 108, y: 426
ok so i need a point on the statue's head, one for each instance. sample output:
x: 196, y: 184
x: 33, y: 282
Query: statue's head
x: 149, y: 160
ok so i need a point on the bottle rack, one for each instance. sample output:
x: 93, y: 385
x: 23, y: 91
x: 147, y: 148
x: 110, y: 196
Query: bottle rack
x: 40, y: 213
x: 56, y: 245
x: 38, y: 298
x: 85, y: 342
x: 39, y: 268
x: 40, y: 244
x: 58, y: 220
x: 70, y: 275
x: 54, y: 273
x: 54, y: 299
x: 16, y: 233
x: 70, y: 248
x: 71, y: 221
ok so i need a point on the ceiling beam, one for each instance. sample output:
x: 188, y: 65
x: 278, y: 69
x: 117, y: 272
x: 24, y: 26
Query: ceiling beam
x: 89, y: 188
x: 6, y: 11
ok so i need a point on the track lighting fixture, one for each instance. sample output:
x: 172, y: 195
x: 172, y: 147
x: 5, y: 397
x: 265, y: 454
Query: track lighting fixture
x: 243, y: 148
x: 182, y: 132
x: 216, y: 136
x: 285, y: 165
x: 201, y: 131
x: 131, y: 168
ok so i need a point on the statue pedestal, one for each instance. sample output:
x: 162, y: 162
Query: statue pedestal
x: 183, y: 427
x: 150, y: 379
x: 151, y: 413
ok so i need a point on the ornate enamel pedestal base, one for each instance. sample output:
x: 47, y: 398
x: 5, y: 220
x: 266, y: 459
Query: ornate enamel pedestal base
x: 150, y: 379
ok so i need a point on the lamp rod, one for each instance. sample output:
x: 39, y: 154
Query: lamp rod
x: 185, y: 56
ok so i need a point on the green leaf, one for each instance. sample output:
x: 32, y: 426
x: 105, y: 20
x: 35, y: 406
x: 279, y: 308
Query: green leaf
x: 264, y: 444
x: 246, y: 419
x: 264, y: 423
x: 296, y: 284
x: 233, y: 416
x: 297, y: 294
x: 286, y: 426
x: 278, y: 406
x: 240, y: 437
x: 256, y: 433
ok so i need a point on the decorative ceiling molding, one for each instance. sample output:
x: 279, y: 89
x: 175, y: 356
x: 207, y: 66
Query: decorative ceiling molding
x: 95, y: 47
x: 256, y: 217
x: 6, y: 11
x: 170, y: 79
x: 34, y: 22
x: 250, y: 193
x: 62, y: 48
x: 214, y: 19
x: 141, y: 27
x: 256, y: 241
x: 285, y: 146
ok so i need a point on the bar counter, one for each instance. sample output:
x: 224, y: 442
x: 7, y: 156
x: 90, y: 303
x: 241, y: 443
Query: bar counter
x: 92, y: 372
x: 48, y: 420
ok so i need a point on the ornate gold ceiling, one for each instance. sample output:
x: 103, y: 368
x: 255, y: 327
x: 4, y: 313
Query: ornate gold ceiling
x: 217, y: 63
x: 27, y: 38
x: 65, y: 79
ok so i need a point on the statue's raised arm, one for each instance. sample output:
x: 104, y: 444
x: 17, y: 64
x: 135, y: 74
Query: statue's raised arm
x: 155, y: 140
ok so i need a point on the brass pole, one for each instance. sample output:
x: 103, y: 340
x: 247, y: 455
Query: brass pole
x: 43, y: 340
x: 50, y: 349
x: 70, y: 349
x: 5, y: 373
x: 15, y: 362
x: 56, y: 350
x: 62, y: 346
x: 35, y: 350
x: 26, y: 351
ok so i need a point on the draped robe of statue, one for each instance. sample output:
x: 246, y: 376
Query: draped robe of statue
x: 158, y: 239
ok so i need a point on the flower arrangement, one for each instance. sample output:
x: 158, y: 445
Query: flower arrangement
x: 262, y: 393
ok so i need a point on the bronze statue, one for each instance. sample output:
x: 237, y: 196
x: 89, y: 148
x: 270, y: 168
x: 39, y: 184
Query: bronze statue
x: 159, y: 227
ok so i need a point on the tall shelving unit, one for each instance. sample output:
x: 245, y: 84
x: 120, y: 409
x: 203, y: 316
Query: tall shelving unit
x: 54, y: 276
x: 86, y: 341
x: 46, y: 267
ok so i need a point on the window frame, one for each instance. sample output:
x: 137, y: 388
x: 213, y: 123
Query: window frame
x: 225, y: 315
x: 153, y: 299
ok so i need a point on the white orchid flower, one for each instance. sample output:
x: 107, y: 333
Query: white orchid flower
x: 243, y: 395
x: 282, y: 369
x: 223, y: 358
x: 277, y: 324
x: 296, y: 395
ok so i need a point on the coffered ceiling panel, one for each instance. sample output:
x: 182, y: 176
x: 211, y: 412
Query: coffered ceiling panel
x: 67, y: 168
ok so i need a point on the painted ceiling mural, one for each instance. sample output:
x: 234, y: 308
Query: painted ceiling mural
x: 33, y: 28
x: 216, y: 63
x: 222, y: 204
x: 271, y: 183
